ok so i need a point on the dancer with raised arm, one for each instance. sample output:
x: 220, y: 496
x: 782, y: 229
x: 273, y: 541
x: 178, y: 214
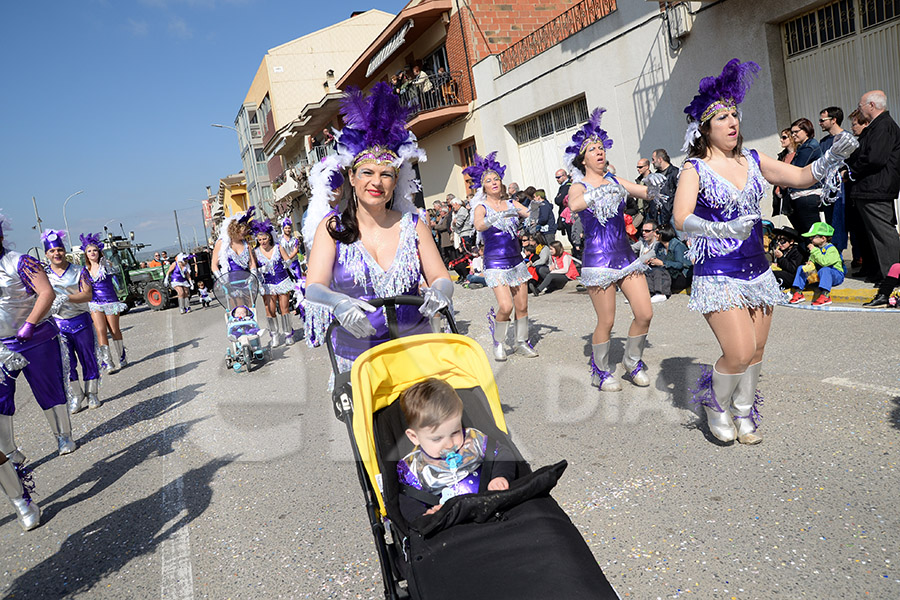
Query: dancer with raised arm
x: 276, y: 282
x: 178, y: 277
x: 376, y: 247
x: 718, y: 203
x: 497, y: 221
x: 105, y: 305
x: 608, y: 260
x: 72, y: 284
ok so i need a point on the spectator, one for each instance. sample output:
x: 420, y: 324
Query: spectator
x: 512, y: 189
x: 445, y: 236
x: 887, y: 287
x: 156, y: 262
x: 643, y: 168
x: 637, y: 207
x: 475, y: 278
x: 781, y: 197
x: 824, y: 260
x: 672, y: 253
x: 540, y: 259
x: 448, y: 87
x: 661, y: 211
x: 424, y: 87
x: 857, y: 122
x: 875, y: 183
x: 562, y: 270
x: 788, y: 255
x: 546, y: 223
x: 658, y: 279
x: 805, y: 203
x: 863, y: 261
x: 830, y: 120
x: 462, y: 225
x: 164, y: 258
x: 577, y: 236
x: 562, y: 178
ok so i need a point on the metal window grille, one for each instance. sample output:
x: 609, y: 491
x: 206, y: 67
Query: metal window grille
x: 836, y: 21
x: 546, y: 121
x: 876, y: 12
x: 554, y: 120
x: 581, y: 110
x: 801, y: 34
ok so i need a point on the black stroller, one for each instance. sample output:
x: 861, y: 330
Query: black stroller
x: 517, y: 543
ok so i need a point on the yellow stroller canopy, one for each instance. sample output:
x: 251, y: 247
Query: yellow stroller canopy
x: 380, y: 374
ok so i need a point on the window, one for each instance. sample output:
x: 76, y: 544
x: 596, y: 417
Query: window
x: 436, y: 59
x: 875, y: 12
x: 552, y: 121
x: 467, y: 153
x: 835, y: 21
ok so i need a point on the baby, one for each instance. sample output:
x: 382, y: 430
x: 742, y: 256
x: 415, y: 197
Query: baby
x: 237, y: 328
x: 447, y: 459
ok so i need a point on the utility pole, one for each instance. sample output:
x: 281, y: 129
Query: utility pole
x: 178, y: 229
x: 40, y: 229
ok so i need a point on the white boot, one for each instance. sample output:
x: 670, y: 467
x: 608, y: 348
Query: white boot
x: 8, y: 441
x: 26, y: 510
x: 61, y: 425
x: 287, y: 329
x: 77, y: 399
x: 499, y: 335
x: 92, y: 389
x: 745, y: 402
x: 601, y: 376
x: 523, y: 347
x: 274, y: 331
x: 634, y: 366
x: 115, y: 354
x: 717, y: 402
x: 105, y: 359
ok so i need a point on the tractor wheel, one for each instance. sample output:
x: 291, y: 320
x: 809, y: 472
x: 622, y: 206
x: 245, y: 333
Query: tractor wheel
x: 156, y: 296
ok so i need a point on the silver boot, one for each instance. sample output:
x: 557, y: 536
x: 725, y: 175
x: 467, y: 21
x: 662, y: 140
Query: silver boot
x: 61, y: 425
x: 287, y: 329
x: 77, y: 399
x: 115, y: 355
x: 92, y: 388
x: 123, y: 359
x: 523, y: 346
x: 745, y: 402
x: 601, y: 376
x: 28, y: 512
x: 105, y: 359
x: 8, y: 440
x: 634, y: 366
x: 718, y: 405
x: 498, y: 333
x: 274, y: 331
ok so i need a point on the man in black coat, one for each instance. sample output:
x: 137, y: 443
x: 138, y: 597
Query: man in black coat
x: 875, y: 179
x: 661, y: 212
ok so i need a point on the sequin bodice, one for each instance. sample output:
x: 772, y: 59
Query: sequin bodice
x: 16, y: 296
x: 70, y: 282
x: 102, y: 282
x: 606, y: 243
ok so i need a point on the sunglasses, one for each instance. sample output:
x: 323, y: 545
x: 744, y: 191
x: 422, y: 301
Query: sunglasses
x: 784, y: 137
x: 825, y: 119
x: 647, y: 230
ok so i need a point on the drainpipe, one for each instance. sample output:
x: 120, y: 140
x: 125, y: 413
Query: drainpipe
x: 462, y: 32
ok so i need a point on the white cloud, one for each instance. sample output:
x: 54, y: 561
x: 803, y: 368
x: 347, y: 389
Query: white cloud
x: 138, y: 28
x: 179, y: 28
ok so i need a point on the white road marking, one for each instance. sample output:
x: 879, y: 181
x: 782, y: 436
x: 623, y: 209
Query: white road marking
x: 177, y: 574
x: 843, y: 382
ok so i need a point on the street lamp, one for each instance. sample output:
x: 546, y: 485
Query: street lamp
x: 65, y: 220
x: 259, y: 197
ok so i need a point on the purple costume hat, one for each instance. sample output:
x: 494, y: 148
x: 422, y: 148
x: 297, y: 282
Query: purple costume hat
x: 718, y: 94
x: 287, y: 222
x: 53, y: 239
x: 481, y: 167
x: 247, y: 217
x: 590, y: 132
x: 90, y: 239
x: 375, y: 133
x: 258, y: 226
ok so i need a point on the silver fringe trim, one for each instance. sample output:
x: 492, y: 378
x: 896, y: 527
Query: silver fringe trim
x: 604, y: 200
x: 284, y: 286
x: 602, y: 277
x: 720, y: 293
x: 109, y: 308
x: 317, y: 319
x: 404, y: 272
x: 720, y: 193
x: 512, y: 277
x: 184, y: 284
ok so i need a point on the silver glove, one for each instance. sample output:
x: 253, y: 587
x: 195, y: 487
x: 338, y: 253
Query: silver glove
x: 437, y: 297
x: 655, y: 183
x: 58, y: 303
x: 495, y: 217
x: 10, y: 362
x: 739, y: 228
x: 844, y: 145
x: 647, y: 253
x: 350, y: 312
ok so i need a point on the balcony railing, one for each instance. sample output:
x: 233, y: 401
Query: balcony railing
x: 554, y: 31
x: 428, y: 93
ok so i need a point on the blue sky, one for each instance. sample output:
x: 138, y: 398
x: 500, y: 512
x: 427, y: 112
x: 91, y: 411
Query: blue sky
x: 116, y: 97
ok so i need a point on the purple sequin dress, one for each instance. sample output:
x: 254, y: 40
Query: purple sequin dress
x: 608, y: 256
x: 730, y: 273
x: 104, y: 298
x: 276, y: 279
x: 179, y: 278
x: 358, y: 275
x: 503, y: 262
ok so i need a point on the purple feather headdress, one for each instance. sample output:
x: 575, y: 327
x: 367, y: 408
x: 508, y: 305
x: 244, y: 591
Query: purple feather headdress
x: 590, y: 132
x: 90, y: 239
x: 484, y: 165
x: 375, y: 125
x: 717, y: 94
x: 287, y: 222
x: 53, y: 239
x: 261, y: 226
x: 247, y: 217
x: 336, y: 180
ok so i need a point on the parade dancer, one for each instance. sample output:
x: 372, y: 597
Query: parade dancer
x: 291, y: 246
x: 599, y: 197
x: 376, y: 247
x: 72, y: 284
x: 718, y: 204
x: 497, y: 221
x: 30, y: 344
x: 105, y: 305
x: 232, y: 252
x: 276, y: 282
x: 178, y: 277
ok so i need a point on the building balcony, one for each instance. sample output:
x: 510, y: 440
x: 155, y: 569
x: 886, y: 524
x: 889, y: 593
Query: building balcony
x: 434, y: 101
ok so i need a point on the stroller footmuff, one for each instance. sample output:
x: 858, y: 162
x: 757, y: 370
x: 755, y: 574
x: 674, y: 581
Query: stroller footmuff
x: 515, y: 543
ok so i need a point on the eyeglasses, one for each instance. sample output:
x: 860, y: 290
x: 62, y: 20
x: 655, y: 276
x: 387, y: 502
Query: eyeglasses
x: 825, y: 119
x: 647, y: 230
x: 642, y: 166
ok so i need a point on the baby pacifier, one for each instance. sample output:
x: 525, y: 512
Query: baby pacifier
x: 452, y: 458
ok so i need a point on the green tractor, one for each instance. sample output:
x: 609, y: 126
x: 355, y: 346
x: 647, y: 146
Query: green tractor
x: 135, y: 284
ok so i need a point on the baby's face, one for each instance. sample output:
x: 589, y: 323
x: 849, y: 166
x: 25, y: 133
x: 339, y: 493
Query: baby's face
x: 240, y: 313
x: 434, y: 440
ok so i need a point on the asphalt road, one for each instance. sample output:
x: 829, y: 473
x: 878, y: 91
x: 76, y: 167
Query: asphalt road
x: 195, y: 482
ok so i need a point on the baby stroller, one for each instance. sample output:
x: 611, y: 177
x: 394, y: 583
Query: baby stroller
x: 236, y: 292
x: 517, y: 543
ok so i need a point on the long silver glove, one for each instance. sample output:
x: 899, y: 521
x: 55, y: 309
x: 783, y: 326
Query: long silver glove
x: 493, y: 218
x: 437, y: 297
x: 58, y: 303
x: 655, y: 183
x: 350, y: 312
x: 844, y: 145
x: 739, y: 228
